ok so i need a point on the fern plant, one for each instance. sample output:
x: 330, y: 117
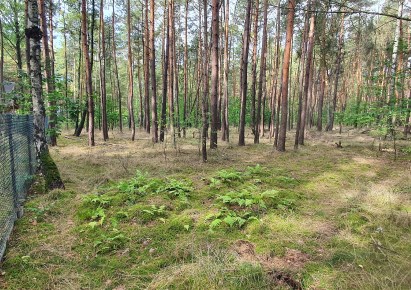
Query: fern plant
x: 245, y: 198
x: 229, y: 218
x: 177, y: 188
x: 154, y: 210
x: 97, y: 217
x: 229, y: 175
x: 254, y: 170
x: 109, y: 243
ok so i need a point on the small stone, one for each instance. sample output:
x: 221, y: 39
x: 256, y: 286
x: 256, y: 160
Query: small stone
x: 146, y: 242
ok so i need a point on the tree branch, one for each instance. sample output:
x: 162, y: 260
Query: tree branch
x: 350, y: 12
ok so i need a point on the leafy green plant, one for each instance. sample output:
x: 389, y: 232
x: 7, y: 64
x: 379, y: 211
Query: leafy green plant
x: 245, y: 198
x: 215, y: 183
x: 39, y: 212
x: 284, y: 199
x: 97, y: 216
x: 121, y: 214
x: 140, y: 184
x: 99, y: 200
x: 147, y: 213
x: 177, y: 188
x: 406, y: 150
x: 154, y: 210
x: 255, y: 170
x: 132, y: 185
x: 109, y: 243
x: 229, y: 218
x: 229, y: 175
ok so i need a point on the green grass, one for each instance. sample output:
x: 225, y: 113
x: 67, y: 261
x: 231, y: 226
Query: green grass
x: 148, y: 217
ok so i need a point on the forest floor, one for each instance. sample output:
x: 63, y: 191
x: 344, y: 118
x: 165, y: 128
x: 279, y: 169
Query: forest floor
x: 136, y: 215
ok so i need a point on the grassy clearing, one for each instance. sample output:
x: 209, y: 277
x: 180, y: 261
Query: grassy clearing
x: 138, y: 216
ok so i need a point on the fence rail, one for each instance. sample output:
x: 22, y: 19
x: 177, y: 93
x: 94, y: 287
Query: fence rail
x: 17, y: 166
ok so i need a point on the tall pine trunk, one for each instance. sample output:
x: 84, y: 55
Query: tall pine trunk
x: 48, y: 73
x: 87, y: 66
x: 130, y: 74
x: 323, y: 75
x: 284, y: 83
x: 185, y: 69
x: 254, y: 69
x: 307, y: 75
x: 154, y: 121
x: 215, y: 26
x: 274, y: 119
x: 205, y: 86
x: 261, y: 80
x: 338, y: 60
x: 146, y: 50
x: 114, y: 52
x: 301, y: 76
x: 170, y: 83
x: 225, y: 135
x: 165, y: 77
x: 243, y: 78
x: 103, y: 74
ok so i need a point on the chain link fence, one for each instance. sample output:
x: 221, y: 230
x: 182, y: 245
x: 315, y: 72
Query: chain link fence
x: 17, y: 166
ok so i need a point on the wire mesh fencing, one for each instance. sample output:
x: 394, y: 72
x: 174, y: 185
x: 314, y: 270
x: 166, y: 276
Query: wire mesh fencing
x: 17, y: 166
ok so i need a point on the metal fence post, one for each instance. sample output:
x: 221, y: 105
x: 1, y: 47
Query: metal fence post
x: 9, y: 121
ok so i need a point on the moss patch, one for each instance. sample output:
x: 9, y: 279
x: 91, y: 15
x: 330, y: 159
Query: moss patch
x: 50, y: 171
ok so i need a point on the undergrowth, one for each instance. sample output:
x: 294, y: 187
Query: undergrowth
x: 324, y: 218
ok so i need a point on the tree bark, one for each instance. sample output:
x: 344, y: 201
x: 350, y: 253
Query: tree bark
x: 284, y: 83
x: 165, y: 77
x: 308, y: 72
x: 146, y: 69
x: 205, y: 86
x: 338, y: 61
x: 176, y: 74
x: 171, y: 71
x: 103, y: 74
x: 140, y: 86
x: 274, y: 119
x: 225, y: 134
x: 391, y: 100
x: 185, y: 68
x: 66, y: 68
x: 27, y: 39
x: 130, y: 74
x: 46, y: 165
x: 51, y: 38
x: 87, y: 65
x: 301, y: 76
x: 118, y: 88
x: 243, y: 81
x: 254, y: 69
x: 262, y: 77
x: 48, y: 73
x: 18, y: 39
x: 215, y: 26
x: 154, y: 121
x: 323, y: 75
x: 80, y: 121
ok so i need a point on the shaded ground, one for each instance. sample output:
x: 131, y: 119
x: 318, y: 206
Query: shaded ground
x: 331, y: 218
